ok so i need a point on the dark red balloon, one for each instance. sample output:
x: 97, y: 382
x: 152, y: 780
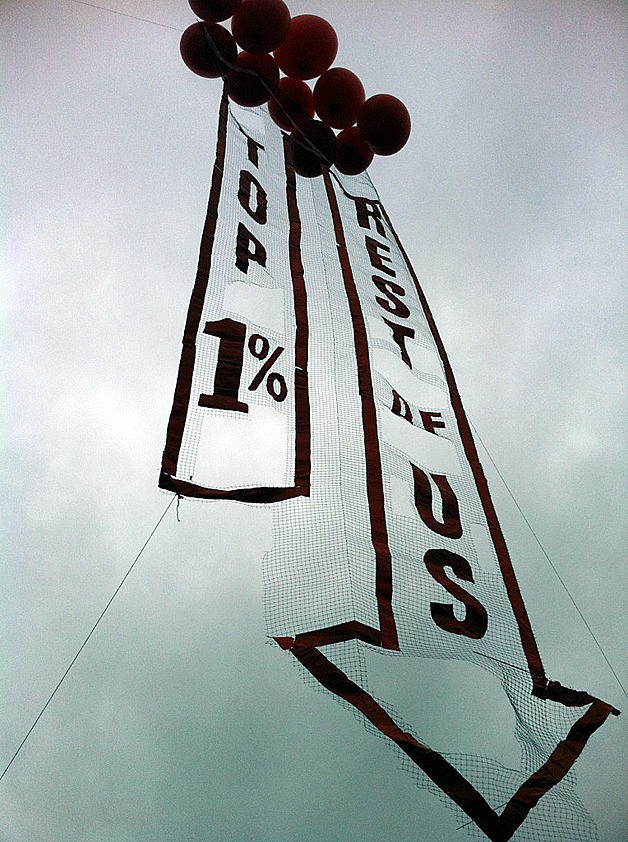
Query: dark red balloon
x: 259, y: 26
x: 384, y: 123
x: 245, y: 85
x: 313, y: 147
x: 208, y: 49
x: 338, y: 96
x: 309, y: 49
x: 354, y: 154
x: 214, y: 10
x: 292, y: 103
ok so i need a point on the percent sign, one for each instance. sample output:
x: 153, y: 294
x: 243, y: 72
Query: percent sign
x: 226, y: 394
x: 276, y: 387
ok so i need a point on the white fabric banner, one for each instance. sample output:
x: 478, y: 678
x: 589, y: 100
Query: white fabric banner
x: 313, y: 377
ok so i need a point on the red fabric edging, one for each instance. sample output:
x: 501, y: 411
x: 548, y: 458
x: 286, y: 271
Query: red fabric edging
x: 178, y: 414
x: 303, y: 454
x: 498, y: 828
x: 374, y: 480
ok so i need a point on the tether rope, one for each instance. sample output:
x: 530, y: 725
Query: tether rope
x: 84, y: 643
x: 550, y: 562
x: 126, y: 15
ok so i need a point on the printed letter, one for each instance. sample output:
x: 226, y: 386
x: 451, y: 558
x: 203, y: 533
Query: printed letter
x: 475, y: 622
x: 243, y: 254
x: 450, y: 526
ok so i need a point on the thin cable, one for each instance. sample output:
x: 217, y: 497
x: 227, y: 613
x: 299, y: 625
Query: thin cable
x: 272, y: 89
x: 84, y: 643
x: 124, y: 15
x: 549, y: 561
x: 499, y: 661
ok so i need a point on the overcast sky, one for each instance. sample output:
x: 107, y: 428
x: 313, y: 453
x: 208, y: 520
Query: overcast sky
x: 178, y: 722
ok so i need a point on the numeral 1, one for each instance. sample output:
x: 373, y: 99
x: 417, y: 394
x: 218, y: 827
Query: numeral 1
x: 228, y: 373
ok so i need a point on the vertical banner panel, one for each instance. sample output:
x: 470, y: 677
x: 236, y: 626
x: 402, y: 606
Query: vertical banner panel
x: 442, y: 584
x: 239, y: 426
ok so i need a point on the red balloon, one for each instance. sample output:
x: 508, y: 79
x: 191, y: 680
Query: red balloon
x: 354, y: 154
x: 313, y: 147
x: 260, y: 25
x: 338, y: 96
x: 384, y: 123
x: 245, y: 85
x: 309, y: 49
x: 214, y: 10
x: 208, y: 49
x: 292, y: 104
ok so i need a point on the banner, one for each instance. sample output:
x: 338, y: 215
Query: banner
x: 313, y: 376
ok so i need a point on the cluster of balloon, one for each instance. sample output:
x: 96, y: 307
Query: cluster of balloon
x: 303, y: 48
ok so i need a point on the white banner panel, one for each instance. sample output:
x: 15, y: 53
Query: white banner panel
x: 239, y: 426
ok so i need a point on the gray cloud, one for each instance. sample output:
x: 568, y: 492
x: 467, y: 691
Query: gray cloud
x: 178, y: 722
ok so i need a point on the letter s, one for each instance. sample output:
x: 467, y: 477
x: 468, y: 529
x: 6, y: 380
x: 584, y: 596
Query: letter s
x: 475, y: 622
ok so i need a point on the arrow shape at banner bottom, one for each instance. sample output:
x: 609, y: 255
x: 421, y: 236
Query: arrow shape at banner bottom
x: 497, y: 827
